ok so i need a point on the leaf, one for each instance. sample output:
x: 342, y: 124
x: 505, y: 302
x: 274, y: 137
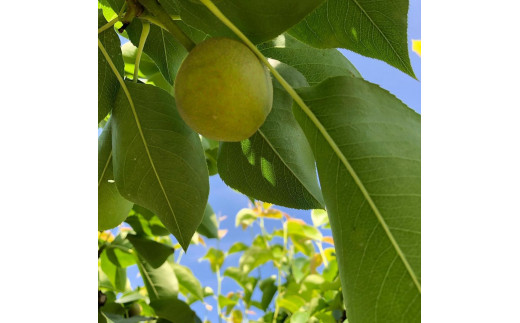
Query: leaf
x: 254, y: 257
x: 155, y: 253
x: 130, y: 297
x: 237, y: 247
x: 368, y: 158
x: 116, y: 275
x: 158, y: 160
x: 303, y: 230
x: 375, y: 29
x: 300, y: 317
x: 315, y: 64
x: 248, y: 283
x: 210, y: 150
x: 245, y: 217
x: 112, y: 207
x: 319, y: 217
x: 276, y: 163
x: 209, y: 226
x: 108, y: 84
x: 174, y: 310
x: 259, y: 20
x: 290, y: 302
x: 188, y: 281
x: 161, y: 282
x: 147, y: 68
x: 162, y: 47
x: 215, y: 257
x: 268, y: 288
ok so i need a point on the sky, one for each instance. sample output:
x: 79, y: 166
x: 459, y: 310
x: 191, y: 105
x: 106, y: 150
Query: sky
x: 227, y: 202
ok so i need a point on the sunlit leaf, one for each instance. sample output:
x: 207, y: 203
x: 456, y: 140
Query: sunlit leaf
x: 368, y: 158
x: 215, y: 258
x: 188, y: 281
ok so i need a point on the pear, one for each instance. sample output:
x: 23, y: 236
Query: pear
x: 223, y: 91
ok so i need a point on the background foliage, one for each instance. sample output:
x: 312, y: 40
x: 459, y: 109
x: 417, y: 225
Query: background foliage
x: 363, y: 140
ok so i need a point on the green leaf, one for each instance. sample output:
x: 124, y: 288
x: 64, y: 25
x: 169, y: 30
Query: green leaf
x: 215, y: 257
x: 210, y: 150
x: 174, y: 310
x: 268, y: 288
x: 303, y: 230
x: 116, y: 275
x: 248, y: 283
x: 259, y: 20
x: 315, y: 64
x: 155, y: 253
x: 147, y: 68
x: 290, y: 302
x: 112, y: 207
x: 237, y: 247
x: 107, y: 81
x: 119, y: 257
x: 375, y: 29
x: 209, y: 226
x: 158, y: 160
x: 300, y: 317
x: 161, y: 282
x: 245, y: 217
x: 367, y: 146
x: 144, y: 222
x: 130, y: 297
x: 162, y: 47
x: 188, y: 281
x: 274, y: 165
x: 254, y: 257
x: 319, y: 217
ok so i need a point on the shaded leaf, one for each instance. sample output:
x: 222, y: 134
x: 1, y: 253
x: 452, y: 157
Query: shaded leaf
x: 158, y: 160
x: 211, y: 151
x: 268, y: 288
x: 161, y: 282
x: 276, y: 163
x: 315, y: 64
x: 259, y: 20
x: 112, y: 207
x: 174, y: 310
x: 375, y: 29
x: 116, y: 275
x: 155, y: 253
x: 209, y: 226
x: 369, y: 169
x: 108, y: 85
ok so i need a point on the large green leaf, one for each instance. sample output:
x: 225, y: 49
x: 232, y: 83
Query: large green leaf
x: 174, y: 310
x: 162, y: 47
x: 155, y: 253
x: 315, y: 64
x: 209, y: 226
x: 161, y: 282
x: 276, y: 163
x: 158, y: 160
x: 259, y: 20
x: 367, y: 147
x: 112, y: 207
x: 107, y: 81
x: 188, y: 281
x: 376, y: 29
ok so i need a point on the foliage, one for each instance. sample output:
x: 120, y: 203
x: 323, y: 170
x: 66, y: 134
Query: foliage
x: 326, y: 120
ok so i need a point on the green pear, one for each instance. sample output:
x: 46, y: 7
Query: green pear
x: 223, y: 91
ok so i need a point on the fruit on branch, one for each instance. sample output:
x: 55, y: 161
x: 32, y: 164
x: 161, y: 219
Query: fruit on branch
x: 134, y: 309
x: 223, y: 91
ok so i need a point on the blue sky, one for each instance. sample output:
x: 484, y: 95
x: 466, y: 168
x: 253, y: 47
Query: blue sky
x: 227, y: 202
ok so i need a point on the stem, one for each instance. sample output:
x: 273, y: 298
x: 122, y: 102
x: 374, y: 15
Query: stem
x: 181, y: 253
x: 142, y: 41
x: 279, y: 289
x: 264, y: 233
x: 219, y: 285
x: 158, y: 11
x: 108, y: 25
